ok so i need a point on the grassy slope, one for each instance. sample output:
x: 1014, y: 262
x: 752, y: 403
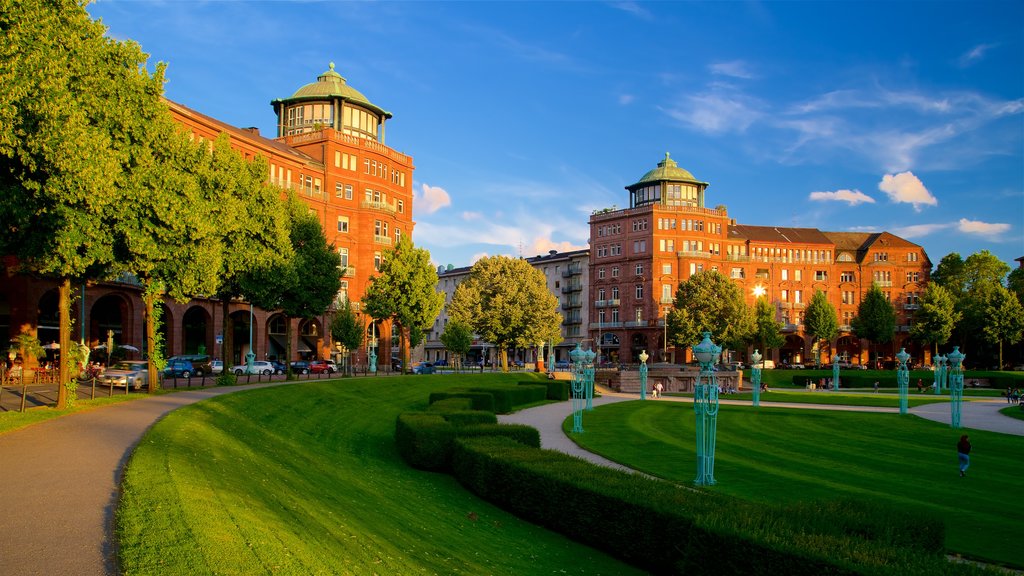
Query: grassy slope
x: 305, y: 479
x: 832, y: 398
x: 777, y: 454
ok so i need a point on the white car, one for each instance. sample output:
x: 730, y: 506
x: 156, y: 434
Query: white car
x: 133, y: 373
x: 258, y: 367
x: 216, y: 366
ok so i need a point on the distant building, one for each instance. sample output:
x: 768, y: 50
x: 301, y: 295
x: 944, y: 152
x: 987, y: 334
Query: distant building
x: 567, y: 278
x: 640, y: 254
x: 330, y: 149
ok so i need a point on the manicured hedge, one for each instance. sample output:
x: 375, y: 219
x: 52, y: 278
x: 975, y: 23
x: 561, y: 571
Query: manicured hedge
x: 557, y: 389
x: 424, y: 440
x: 669, y: 529
x: 526, y: 435
x: 460, y: 418
x: 480, y: 400
x: 451, y: 405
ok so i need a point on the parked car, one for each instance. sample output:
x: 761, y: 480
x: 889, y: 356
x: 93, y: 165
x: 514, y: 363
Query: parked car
x: 258, y: 367
x: 440, y: 363
x: 300, y: 367
x: 178, y: 369
x: 334, y: 367
x: 216, y: 366
x: 562, y: 365
x: 396, y: 364
x: 279, y: 367
x: 130, y: 373
x: 321, y: 367
x: 201, y: 363
x: 422, y: 368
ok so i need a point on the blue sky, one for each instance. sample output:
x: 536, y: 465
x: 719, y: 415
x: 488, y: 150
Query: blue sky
x: 523, y: 117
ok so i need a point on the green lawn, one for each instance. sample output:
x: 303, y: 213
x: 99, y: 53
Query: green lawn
x: 1013, y: 412
x: 305, y: 479
x: 779, y: 454
x: 832, y: 398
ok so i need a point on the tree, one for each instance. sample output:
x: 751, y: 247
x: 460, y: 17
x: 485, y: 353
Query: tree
x: 973, y: 282
x: 820, y: 320
x: 936, y: 317
x: 1004, y: 320
x: 876, y: 318
x: 346, y: 329
x: 75, y: 107
x: 767, y: 330
x: 710, y: 302
x: 457, y: 339
x: 507, y: 302
x: 405, y: 290
x: 1015, y: 283
x: 950, y: 274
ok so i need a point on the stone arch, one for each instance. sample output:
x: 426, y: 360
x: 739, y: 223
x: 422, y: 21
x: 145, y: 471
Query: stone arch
x: 277, y: 337
x: 240, y: 323
x: 638, y: 342
x: 111, y: 312
x: 792, y: 352
x: 311, y: 334
x: 48, y: 318
x: 196, y: 327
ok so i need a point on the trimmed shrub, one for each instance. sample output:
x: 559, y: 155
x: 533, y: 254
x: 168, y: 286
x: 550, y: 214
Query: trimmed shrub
x: 527, y: 435
x: 424, y: 440
x: 669, y: 529
x: 480, y: 400
x: 459, y: 418
x: 556, y: 389
x: 451, y: 405
x: 507, y: 398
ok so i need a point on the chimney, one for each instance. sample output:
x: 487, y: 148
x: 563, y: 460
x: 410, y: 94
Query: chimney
x: 252, y: 130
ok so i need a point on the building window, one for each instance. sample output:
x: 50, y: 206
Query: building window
x: 912, y: 257
x: 820, y: 275
x: 615, y: 249
x: 639, y: 269
x: 398, y: 236
x: 343, y: 224
x: 736, y: 273
x: 615, y: 271
x: 785, y: 295
x: 796, y: 296
x: 401, y: 207
x: 881, y: 256
x: 639, y: 291
x: 339, y: 190
x: 615, y: 292
x: 849, y: 297
x: 846, y: 277
x: 343, y: 252
x: 798, y: 275
x: 600, y: 273
x: 913, y: 276
x: 615, y: 314
x: 376, y: 261
x: 666, y: 268
x: 785, y: 274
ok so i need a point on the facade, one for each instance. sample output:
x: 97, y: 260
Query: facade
x: 567, y: 275
x: 640, y: 254
x: 330, y: 150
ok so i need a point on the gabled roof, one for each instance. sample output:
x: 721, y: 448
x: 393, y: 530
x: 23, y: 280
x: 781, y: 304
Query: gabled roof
x: 851, y: 241
x: 778, y: 234
x: 243, y: 134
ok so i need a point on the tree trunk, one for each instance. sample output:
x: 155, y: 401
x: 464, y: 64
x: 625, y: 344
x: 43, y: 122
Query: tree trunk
x: 504, y: 359
x: 64, y: 376
x: 150, y: 301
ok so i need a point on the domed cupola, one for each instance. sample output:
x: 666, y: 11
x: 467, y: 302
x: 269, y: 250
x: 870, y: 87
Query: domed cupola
x: 330, y: 103
x: 668, y: 185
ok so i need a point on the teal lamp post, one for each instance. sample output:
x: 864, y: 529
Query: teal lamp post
x: 755, y: 376
x: 250, y: 356
x: 940, y: 370
x: 643, y: 374
x: 956, y: 384
x: 902, y: 378
x: 705, y: 404
x: 551, y: 357
x: 578, y: 388
x: 835, y: 373
x: 590, y: 369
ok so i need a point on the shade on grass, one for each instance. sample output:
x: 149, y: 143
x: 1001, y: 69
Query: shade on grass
x: 830, y: 398
x: 305, y: 479
x: 780, y: 455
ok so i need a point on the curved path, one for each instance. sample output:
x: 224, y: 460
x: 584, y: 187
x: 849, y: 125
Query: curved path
x: 60, y: 479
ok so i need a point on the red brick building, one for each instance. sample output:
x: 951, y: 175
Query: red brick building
x: 640, y: 254
x: 329, y: 148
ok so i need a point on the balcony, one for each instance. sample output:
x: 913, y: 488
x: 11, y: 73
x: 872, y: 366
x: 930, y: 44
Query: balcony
x: 571, y: 271
x: 636, y: 324
x: 600, y: 303
x: 348, y: 271
x: 693, y: 254
x: 605, y: 325
x: 737, y: 258
x: 571, y: 321
x: 613, y: 302
x: 903, y: 328
x: 911, y: 306
x: 790, y: 327
x: 570, y: 289
x: 570, y: 305
x: 883, y: 283
x: 386, y: 240
x: 379, y: 206
x: 845, y: 328
x: 667, y: 300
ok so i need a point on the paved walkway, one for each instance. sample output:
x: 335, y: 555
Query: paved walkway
x: 59, y: 485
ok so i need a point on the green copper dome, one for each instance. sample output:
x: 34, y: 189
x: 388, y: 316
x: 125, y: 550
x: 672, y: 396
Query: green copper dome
x: 667, y: 170
x: 331, y: 85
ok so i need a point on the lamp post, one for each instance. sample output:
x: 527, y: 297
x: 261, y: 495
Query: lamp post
x: 540, y: 356
x: 372, y: 354
x: 250, y: 356
x: 956, y: 384
x: 551, y: 358
x: 835, y: 373
x: 902, y: 378
x: 643, y: 374
x: 590, y: 369
x: 705, y: 404
x: 940, y: 370
x: 578, y: 388
x: 755, y: 376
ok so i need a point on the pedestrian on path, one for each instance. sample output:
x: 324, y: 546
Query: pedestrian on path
x: 658, y: 387
x: 963, y: 451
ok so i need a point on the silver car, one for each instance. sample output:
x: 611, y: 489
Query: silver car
x: 133, y: 373
x: 258, y: 367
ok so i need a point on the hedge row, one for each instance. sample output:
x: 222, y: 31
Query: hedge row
x: 668, y: 529
x: 557, y: 389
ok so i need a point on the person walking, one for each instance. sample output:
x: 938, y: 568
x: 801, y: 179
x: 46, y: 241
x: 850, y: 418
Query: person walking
x: 658, y: 387
x: 963, y: 452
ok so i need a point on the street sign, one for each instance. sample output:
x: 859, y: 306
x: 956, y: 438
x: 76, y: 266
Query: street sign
x: 219, y: 338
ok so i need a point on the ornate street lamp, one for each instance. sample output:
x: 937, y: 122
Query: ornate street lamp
x: 643, y: 374
x: 705, y: 404
x: 940, y: 370
x: 589, y: 370
x: 579, y: 385
x: 372, y: 355
x: 835, y: 373
x: 956, y: 384
x: 551, y: 357
x: 755, y: 376
x: 902, y: 378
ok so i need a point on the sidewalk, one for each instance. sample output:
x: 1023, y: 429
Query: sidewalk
x: 61, y: 479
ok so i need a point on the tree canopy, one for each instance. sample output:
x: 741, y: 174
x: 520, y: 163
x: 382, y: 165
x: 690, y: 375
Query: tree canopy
x: 935, y: 318
x: 710, y: 302
x: 457, y: 339
x: 507, y: 302
x: 820, y: 320
x: 405, y: 290
x: 1004, y: 319
x: 346, y: 329
x: 767, y: 330
x: 876, y: 317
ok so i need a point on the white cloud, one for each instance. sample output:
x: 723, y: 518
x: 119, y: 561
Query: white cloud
x: 906, y: 188
x: 717, y: 111
x: 469, y: 216
x: 919, y: 230
x: 992, y: 231
x: 862, y: 229
x: 476, y: 257
x: 431, y: 199
x: 633, y: 8
x: 626, y: 99
x: 735, y: 69
x: 541, y: 245
x: 852, y: 197
x: 973, y: 55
